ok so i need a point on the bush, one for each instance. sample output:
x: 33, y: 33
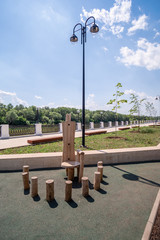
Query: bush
x: 147, y: 130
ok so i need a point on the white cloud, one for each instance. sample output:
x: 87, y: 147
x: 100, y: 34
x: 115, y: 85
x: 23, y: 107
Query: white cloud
x: 105, y: 49
x: 9, y: 97
x: 147, y: 55
x: 156, y: 34
x: 90, y: 103
x: 119, y: 13
x: 38, y: 97
x: 141, y: 23
x: 141, y: 95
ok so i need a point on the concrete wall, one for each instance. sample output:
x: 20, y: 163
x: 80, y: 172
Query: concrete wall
x: 53, y: 160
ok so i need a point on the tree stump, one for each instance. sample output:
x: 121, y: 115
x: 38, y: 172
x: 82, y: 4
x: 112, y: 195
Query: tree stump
x: 34, y: 184
x: 50, y: 190
x: 70, y: 174
x: 85, y: 186
x: 68, y: 191
x: 100, y: 163
x: 25, y: 176
x: 100, y: 169
x: 97, y: 180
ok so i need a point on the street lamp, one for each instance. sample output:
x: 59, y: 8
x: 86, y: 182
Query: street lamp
x: 93, y: 29
x: 158, y: 98
x: 37, y: 115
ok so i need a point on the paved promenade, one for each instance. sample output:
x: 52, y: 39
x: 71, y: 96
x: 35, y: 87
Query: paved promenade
x: 20, y: 141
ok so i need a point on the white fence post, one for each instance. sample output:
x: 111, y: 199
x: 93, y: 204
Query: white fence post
x: 92, y: 125
x: 110, y: 124
x: 126, y: 122
x: 122, y: 123
x: 60, y: 127
x: 4, y: 131
x: 101, y: 124
x: 116, y: 123
x: 38, y: 129
x: 79, y: 126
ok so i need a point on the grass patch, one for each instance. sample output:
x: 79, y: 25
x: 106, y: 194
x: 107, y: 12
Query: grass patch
x: 126, y: 139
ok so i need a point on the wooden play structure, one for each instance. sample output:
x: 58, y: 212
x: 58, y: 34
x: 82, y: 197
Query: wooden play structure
x: 69, y: 161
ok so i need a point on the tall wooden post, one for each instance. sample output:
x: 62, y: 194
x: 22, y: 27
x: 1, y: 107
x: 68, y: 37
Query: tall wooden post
x: 34, y: 184
x: 85, y: 186
x: 50, y: 190
x: 68, y: 191
x: 97, y: 180
x: 25, y: 176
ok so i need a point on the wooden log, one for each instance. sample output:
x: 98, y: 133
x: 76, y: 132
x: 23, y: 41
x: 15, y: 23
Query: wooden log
x: 68, y: 190
x: 70, y: 174
x: 81, y: 166
x: 100, y: 163
x: 97, y: 180
x: 85, y: 186
x: 34, y: 184
x: 50, y: 190
x: 100, y: 169
x: 25, y: 176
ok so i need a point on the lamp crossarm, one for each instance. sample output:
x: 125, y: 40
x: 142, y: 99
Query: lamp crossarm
x: 88, y: 19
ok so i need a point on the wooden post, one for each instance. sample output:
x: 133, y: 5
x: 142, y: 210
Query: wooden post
x: 100, y: 163
x: 81, y: 166
x: 26, y: 168
x: 68, y: 191
x: 97, y: 180
x: 70, y: 174
x: 34, y: 182
x: 25, y: 177
x: 100, y: 169
x: 85, y: 186
x: 50, y: 190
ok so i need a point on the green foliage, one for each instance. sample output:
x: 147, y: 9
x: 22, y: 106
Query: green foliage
x: 147, y: 130
x: 116, y: 101
x: 20, y: 115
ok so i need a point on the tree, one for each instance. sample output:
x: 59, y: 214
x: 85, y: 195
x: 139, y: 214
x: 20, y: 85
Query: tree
x: 116, y: 101
x: 12, y: 117
x: 150, y: 109
x: 136, y: 108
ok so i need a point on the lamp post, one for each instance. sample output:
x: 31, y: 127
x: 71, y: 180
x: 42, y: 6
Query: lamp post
x: 93, y: 29
x: 37, y: 115
x: 158, y: 98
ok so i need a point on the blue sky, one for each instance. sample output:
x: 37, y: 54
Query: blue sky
x: 39, y: 66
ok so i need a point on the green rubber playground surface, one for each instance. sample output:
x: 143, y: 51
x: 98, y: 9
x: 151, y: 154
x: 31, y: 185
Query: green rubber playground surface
x: 118, y: 211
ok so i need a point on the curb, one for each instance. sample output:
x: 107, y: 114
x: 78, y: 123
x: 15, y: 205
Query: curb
x: 152, y: 218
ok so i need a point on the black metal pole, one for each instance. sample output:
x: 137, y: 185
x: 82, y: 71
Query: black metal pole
x: 83, y: 88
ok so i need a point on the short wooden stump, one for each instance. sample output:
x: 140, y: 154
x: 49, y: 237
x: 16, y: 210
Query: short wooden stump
x: 50, y: 190
x: 25, y: 176
x: 85, y: 186
x: 68, y: 191
x: 100, y: 169
x: 70, y: 174
x: 97, y: 180
x: 100, y: 163
x: 25, y: 168
x: 34, y: 186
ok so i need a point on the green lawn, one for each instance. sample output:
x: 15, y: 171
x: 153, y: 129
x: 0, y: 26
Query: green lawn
x: 148, y: 136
